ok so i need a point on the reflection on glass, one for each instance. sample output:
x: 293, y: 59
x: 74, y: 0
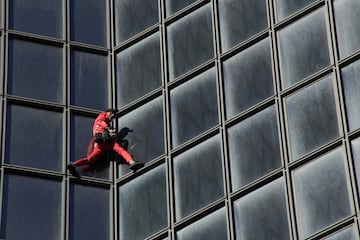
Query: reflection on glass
x: 193, y: 107
x: 198, y: 176
x: 138, y: 70
x: 348, y: 233
x: 351, y: 85
x: 262, y: 214
x: 31, y: 208
x: 211, y: 227
x: 355, y: 144
x: 303, y: 48
x: 34, y: 64
x: 173, y: 6
x: 89, y: 215
x: 44, y: 17
x: 80, y: 136
x: 134, y: 16
x: 190, y: 42
x: 321, y: 192
x: 312, y: 119
x: 347, y: 15
x: 248, y: 78
x: 142, y: 205
x: 88, y: 23
x: 284, y: 8
x: 146, y: 142
x: 89, y: 80
x: 240, y: 20
x: 34, y: 137
x: 254, y: 148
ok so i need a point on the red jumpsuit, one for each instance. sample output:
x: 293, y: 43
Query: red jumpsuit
x: 100, y: 125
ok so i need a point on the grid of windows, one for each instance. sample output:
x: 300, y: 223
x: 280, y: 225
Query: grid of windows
x: 245, y: 113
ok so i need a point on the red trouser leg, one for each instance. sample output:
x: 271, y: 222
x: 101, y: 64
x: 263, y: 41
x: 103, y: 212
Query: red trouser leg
x: 92, y: 158
x: 122, y: 152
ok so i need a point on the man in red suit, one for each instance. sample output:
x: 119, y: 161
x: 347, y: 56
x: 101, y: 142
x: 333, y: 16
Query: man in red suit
x: 104, y: 137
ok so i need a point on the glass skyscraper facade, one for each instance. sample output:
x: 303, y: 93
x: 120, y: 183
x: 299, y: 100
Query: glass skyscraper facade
x: 246, y: 113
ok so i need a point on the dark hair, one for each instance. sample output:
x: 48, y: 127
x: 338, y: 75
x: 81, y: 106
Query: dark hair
x: 111, y: 110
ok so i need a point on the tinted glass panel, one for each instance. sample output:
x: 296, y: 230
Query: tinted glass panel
x: 146, y: 142
x: 240, y: 20
x: 321, y: 192
x: 305, y: 55
x: 312, y: 119
x: 347, y: 15
x: 134, y: 16
x: 254, y: 147
x: 211, y: 227
x: 31, y: 208
x: 81, y: 134
x: 190, y: 42
x: 138, y: 70
x: 142, y: 205
x: 43, y: 17
x: 351, y: 86
x: 355, y: 144
x: 198, y: 176
x: 88, y: 23
x: 89, y: 80
x: 262, y: 214
x: 248, y: 78
x: 174, y: 5
x: 345, y: 234
x: 34, y: 138
x: 33, y: 64
x: 193, y: 107
x: 89, y: 216
x: 286, y: 7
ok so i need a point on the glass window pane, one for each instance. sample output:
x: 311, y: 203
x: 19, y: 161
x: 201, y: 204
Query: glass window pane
x: 34, y: 137
x: 134, y: 16
x: 284, y: 8
x: 80, y: 136
x: 265, y: 207
x: 31, y: 208
x: 44, y: 17
x: 198, y: 176
x: 311, y: 115
x: 138, y: 70
x: 211, y: 227
x: 355, y: 144
x: 305, y: 55
x: 193, y: 107
x: 190, y: 42
x: 84, y: 222
x: 34, y: 64
x: 348, y: 233
x: 88, y: 23
x: 239, y: 20
x: 347, y: 15
x: 321, y: 192
x: 143, y: 205
x: 89, y: 80
x: 173, y: 6
x: 254, y: 147
x: 351, y: 86
x: 146, y: 142
x: 248, y: 78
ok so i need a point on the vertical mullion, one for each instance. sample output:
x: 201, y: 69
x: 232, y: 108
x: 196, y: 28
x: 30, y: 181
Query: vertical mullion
x: 222, y: 120
x: 166, y: 119
x: 272, y: 16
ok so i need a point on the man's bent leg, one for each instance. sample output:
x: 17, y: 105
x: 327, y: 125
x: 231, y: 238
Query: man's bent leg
x: 91, y: 159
